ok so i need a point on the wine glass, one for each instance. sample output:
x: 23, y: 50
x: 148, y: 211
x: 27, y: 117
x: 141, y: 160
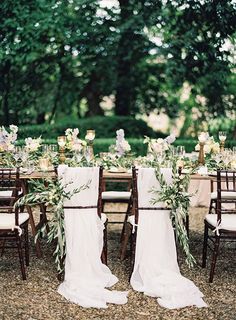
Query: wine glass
x: 180, y: 150
x: 17, y: 153
x: 53, y: 150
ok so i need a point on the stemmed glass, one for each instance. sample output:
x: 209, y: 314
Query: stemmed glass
x: 53, y: 150
x: 180, y: 150
x: 17, y: 153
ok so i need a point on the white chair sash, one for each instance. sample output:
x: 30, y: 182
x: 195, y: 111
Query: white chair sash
x: 85, y: 276
x: 156, y: 271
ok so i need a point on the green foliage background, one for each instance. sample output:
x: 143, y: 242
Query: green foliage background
x: 61, y: 58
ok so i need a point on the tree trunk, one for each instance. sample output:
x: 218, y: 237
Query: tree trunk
x: 93, y: 95
x: 94, y: 104
x: 125, y: 89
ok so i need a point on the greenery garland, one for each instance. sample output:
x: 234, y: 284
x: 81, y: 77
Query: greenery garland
x: 52, y: 194
x: 176, y: 197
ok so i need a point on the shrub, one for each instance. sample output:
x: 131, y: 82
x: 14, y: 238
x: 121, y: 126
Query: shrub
x: 104, y: 126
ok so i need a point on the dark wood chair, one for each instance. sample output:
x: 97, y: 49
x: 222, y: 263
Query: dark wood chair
x: 101, y: 215
x: 131, y: 225
x: 221, y: 219
x: 121, y: 197
x: 13, y: 223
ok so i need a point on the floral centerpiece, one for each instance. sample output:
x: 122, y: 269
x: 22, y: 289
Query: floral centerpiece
x: 8, y: 139
x: 7, y: 145
x: 32, y: 144
x: 210, y: 146
x: 122, y: 146
x: 159, y: 145
x: 119, y: 155
x: 73, y: 143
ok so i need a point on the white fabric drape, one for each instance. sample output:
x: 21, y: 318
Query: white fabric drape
x: 85, y: 276
x: 201, y: 191
x: 156, y: 271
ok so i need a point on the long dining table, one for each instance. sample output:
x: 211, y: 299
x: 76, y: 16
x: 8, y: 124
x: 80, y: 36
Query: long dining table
x: 108, y: 176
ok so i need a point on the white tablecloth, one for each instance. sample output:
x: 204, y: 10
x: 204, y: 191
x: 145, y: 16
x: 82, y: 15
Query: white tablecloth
x: 202, y: 193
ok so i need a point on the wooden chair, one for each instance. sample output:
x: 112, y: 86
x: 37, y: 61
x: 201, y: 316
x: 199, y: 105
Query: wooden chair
x: 131, y: 225
x: 221, y: 220
x: 121, y: 197
x: 13, y: 223
x: 101, y: 215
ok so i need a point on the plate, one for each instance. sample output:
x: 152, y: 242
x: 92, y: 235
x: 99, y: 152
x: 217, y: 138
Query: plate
x: 185, y: 171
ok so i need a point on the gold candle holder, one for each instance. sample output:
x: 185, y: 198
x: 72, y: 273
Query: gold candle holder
x: 90, y: 136
x: 61, y: 140
x: 222, y: 138
x: 201, y: 158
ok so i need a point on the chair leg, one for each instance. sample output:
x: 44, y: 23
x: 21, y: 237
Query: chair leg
x: 125, y: 240
x: 204, y: 251
x: 26, y: 234
x: 214, y: 257
x: 133, y: 249
x: 128, y: 211
x: 43, y: 216
x: 20, y: 253
x: 3, y: 247
x: 187, y: 224
x: 104, y: 250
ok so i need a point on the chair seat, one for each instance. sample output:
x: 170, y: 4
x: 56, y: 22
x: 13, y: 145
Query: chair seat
x: 224, y: 195
x: 7, y: 220
x: 103, y: 218
x: 5, y: 193
x: 116, y: 195
x: 228, y: 221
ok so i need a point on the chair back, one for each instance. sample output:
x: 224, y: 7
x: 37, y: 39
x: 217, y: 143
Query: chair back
x: 143, y: 180
x: 90, y: 198
x: 226, y: 192
x: 10, y: 186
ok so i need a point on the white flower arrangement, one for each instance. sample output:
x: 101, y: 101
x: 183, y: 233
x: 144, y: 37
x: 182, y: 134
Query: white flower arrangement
x: 32, y: 144
x: 73, y: 143
x: 210, y: 146
x: 122, y: 146
x: 159, y: 145
x: 7, y: 139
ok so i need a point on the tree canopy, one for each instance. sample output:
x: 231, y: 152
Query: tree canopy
x: 62, y: 57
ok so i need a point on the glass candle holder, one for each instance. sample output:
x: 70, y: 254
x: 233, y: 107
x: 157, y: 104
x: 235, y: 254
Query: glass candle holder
x: 90, y: 135
x: 203, y: 136
x: 222, y: 138
x: 61, y: 140
x: 44, y: 164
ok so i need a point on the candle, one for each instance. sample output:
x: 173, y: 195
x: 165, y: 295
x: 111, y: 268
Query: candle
x: 61, y: 140
x: 90, y: 135
x: 44, y: 163
x: 203, y: 137
x: 222, y: 136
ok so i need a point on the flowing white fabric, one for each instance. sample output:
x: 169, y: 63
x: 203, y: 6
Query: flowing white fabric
x: 85, y: 275
x: 156, y: 271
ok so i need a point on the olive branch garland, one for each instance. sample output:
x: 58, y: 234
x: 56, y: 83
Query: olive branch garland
x: 176, y: 197
x: 52, y: 194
